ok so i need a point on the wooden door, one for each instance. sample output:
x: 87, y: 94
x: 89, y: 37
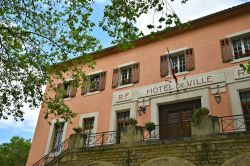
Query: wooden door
x: 122, y: 119
x: 175, y: 119
x: 245, y: 103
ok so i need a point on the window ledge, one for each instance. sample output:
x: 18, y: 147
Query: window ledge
x: 68, y: 98
x: 240, y: 60
x: 124, y: 86
x: 92, y: 93
x: 178, y: 74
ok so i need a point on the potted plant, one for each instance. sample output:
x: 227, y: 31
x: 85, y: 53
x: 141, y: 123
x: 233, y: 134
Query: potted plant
x: 150, y: 126
x: 132, y: 122
x: 125, y: 81
x: 198, y: 113
x: 77, y: 129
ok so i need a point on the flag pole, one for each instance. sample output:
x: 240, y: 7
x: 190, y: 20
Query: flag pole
x: 172, y: 70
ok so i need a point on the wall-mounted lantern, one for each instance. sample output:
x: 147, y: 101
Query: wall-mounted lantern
x: 217, y: 95
x: 142, y: 109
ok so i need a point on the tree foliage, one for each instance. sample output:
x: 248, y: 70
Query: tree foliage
x: 36, y: 35
x: 14, y: 153
x: 246, y: 67
x: 120, y: 18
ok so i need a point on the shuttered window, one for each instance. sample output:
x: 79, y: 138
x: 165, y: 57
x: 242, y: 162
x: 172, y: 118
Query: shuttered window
x: 164, y: 65
x: 181, y: 61
x: 241, y: 47
x: 126, y: 75
x: 96, y: 82
x: 235, y: 47
x: 66, y: 89
x: 189, y: 59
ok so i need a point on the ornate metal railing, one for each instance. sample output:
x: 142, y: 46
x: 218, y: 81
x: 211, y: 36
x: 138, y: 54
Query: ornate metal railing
x: 168, y: 131
x: 101, y: 139
x: 52, y: 155
x: 151, y: 135
x: 235, y: 123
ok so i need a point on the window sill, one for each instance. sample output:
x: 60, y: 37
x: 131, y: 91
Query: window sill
x: 179, y: 74
x: 67, y: 99
x: 92, y: 93
x: 124, y: 86
x: 240, y: 60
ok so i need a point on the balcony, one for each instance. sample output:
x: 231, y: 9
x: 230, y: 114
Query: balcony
x: 132, y: 135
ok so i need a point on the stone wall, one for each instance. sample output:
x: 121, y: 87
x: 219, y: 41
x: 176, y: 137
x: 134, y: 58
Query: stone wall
x: 230, y: 149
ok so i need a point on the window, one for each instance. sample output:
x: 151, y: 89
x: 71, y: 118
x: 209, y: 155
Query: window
x: 179, y: 62
x: 66, y: 89
x: 241, y: 47
x: 58, y: 134
x: 122, y: 119
x: 235, y: 47
x: 88, y: 125
x: 245, y: 103
x: 182, y: 61
x: 126, y: 75
x: 96, y: 83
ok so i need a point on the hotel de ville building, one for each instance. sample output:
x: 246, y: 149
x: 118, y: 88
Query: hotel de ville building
x: 137, y: 83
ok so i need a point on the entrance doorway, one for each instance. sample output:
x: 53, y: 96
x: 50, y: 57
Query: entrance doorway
x: 245, y: 103
x: 175, y: 119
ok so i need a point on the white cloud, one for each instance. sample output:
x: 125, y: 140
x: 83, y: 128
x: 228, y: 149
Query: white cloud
x: 29, y: 123
x: 191, y: 10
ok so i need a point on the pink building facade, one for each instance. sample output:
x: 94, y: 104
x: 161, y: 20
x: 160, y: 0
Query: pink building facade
x: 206, y: 60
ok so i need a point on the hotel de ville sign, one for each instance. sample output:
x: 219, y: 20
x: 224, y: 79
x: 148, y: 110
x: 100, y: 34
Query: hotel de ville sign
x: 169, y: 87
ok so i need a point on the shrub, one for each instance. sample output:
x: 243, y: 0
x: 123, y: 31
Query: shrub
x: 132, y: 121
x: 77, y: 129
x: 150, y: 126
x: 197, y: 114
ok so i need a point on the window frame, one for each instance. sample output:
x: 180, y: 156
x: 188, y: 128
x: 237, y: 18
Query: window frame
x: 50, y: 137
x: 241, y: 37
x: 177, y: 55
x: 94, y: 115
x: 128, y: 75
x: 124, y: 120
x: 57, y: 140
x: 91, y: 127
x: 67, y: 89
x: 93, y: 82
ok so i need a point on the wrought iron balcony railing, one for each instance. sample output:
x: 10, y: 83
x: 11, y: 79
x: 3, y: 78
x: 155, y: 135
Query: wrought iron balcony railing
x: 53, y: 154
x: 235, y: 123
x: 169, y: 131
x: 101, y: 139
x: 154, y: 134
x: 227, y: 124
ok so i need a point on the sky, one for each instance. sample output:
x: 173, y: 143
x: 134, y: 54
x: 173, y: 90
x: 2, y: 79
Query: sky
x: 191, y: 10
